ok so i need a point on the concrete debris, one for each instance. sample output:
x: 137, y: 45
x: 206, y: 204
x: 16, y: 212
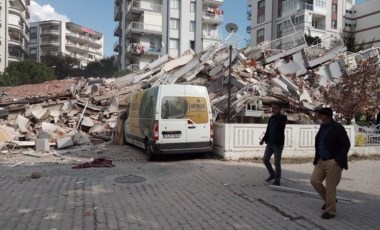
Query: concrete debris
x: 87, y: 122
x: 22, y: 124
x: 42, y: 145
x: 64, y: 142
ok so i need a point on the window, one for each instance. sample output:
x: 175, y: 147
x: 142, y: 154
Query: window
x: 33, y: 29
x: 174, y: 4
x: 174, y: 24
x: 260, y: 35
x: 33, y: 41
x: 192, y: 6
x: 192, y: 45
x: 192, y: 26
x: 334, y: 7
x: 194, y: 108
x: 261, y: 11
x: 261, y: 4
x: 333, y: 24
x: 260, y: 18
x: 33, y: 51
x: 174, y: 44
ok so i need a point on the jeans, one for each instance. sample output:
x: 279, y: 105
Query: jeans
x: 277, y: 151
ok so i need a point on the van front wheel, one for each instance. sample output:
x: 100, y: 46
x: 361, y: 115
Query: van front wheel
x: 149, y: 153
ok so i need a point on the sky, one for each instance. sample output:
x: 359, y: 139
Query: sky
x: 98, y: 15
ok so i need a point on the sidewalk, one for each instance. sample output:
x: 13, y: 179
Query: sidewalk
x: 179, y: 193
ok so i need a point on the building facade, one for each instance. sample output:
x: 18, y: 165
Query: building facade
x: 14, y: 31
x: 274, y: 19
x: 148, y: 29
x: 363, y: 21
x: 57, y: 37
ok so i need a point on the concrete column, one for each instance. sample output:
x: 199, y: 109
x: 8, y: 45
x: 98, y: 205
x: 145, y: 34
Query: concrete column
x: 165, y: 25
x: 198, y: 26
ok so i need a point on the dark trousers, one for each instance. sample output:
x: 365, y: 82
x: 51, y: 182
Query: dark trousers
x: 277, y: 151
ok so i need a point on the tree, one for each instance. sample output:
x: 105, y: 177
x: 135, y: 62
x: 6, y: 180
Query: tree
x: 26, y: 72
x: 64, y: 66
x: 104, y: 68
x: 357, y: 93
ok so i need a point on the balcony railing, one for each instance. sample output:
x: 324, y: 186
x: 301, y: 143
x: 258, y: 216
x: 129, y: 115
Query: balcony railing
x: 327, y: 45
x: 144, y: 49
x: 211, y: 16
x: 50, y: 31
x: 145, y: 5
x: 144, y: 27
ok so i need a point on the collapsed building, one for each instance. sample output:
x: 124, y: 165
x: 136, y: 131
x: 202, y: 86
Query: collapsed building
x: 64, y: 113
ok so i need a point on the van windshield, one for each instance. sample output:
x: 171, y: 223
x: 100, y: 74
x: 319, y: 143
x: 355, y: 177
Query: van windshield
x: 193, y: 108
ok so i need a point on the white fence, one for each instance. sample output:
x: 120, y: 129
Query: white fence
x: 237, y: 141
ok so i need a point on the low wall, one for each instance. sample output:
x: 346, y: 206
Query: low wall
x: 237, y: 141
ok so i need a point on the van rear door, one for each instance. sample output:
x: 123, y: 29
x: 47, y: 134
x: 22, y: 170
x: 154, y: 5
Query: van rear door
x: 172, y: 123
x: 198, y: 119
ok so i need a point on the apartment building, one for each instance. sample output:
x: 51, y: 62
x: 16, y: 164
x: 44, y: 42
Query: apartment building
x: 57, y: 37
x: 363, y: 21
x: 148, y: 29
x: 14, y: 31
x: 272, y: 19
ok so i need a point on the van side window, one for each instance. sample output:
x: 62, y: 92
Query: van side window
x: 174, y: 108
x: 193, y: 108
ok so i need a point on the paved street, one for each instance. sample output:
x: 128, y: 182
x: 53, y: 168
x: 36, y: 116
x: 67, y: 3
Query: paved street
x: 175, y: 193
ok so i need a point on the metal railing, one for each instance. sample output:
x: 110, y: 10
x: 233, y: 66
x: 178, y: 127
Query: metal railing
x: 141, y: 49
x: 329, y: 44
x: 284, y: 43
x: 143, y: 26
x: 146, y: 5
x: 211, y: 16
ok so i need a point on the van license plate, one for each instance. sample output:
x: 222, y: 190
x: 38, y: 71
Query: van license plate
x: 172, y: 135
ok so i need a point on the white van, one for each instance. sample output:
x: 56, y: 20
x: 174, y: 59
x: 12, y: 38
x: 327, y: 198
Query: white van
x: 170, y: 119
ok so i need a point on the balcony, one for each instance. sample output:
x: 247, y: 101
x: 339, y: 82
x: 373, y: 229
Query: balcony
x: 212, y: 18
x: 212, y: 36
x: 214, y: 2
x: 249, y: 14
x: 249, y: 29
x: 141, y: 6
x: 46, y: 32
x: 117, y: 30
x: 116, y: 47
x: 77, y: 47
x: 83, y: 39
x: 50, y: 43
x: 142, y: 28
x: 140, y: 49
x: 117, y: 13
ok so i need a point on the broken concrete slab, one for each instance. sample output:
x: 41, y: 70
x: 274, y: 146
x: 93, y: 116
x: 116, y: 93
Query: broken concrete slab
x: 97, y: 129
x: 22, y: 123
x: 42, y: 145
x: 43, y: 135
x: 80, y: 139
x: 40, y: 114
x: 114, y: 105
x: 64, y: 142
x: 177, y: 62
x: 87, y: 122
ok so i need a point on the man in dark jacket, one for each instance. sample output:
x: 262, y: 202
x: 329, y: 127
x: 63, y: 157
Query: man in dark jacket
x: 274, y: 138
x: 332, y: 145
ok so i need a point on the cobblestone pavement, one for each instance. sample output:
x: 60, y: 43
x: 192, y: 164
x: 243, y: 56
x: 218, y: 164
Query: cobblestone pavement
x: 177, y: 193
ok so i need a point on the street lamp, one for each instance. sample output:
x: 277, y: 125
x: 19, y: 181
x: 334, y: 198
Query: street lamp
x: 230, y: 28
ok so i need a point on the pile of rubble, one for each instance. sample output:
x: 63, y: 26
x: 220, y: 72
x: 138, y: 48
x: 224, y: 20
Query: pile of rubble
x: 285, y: 71
x: 85, y: 111
x: 60, y: 113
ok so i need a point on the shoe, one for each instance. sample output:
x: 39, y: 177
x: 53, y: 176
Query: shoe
x: 327, y: 216
x: 324, y: 205
x: 269, y: 179
x: 276, y: 183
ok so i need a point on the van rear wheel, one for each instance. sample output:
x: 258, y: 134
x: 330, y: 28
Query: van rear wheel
x: 149, y: 153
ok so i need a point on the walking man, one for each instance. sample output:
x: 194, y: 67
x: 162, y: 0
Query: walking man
x: 274, y: 138
x: 332, y: 145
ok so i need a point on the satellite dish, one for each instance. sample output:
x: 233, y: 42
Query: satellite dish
x: 232, y: 28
